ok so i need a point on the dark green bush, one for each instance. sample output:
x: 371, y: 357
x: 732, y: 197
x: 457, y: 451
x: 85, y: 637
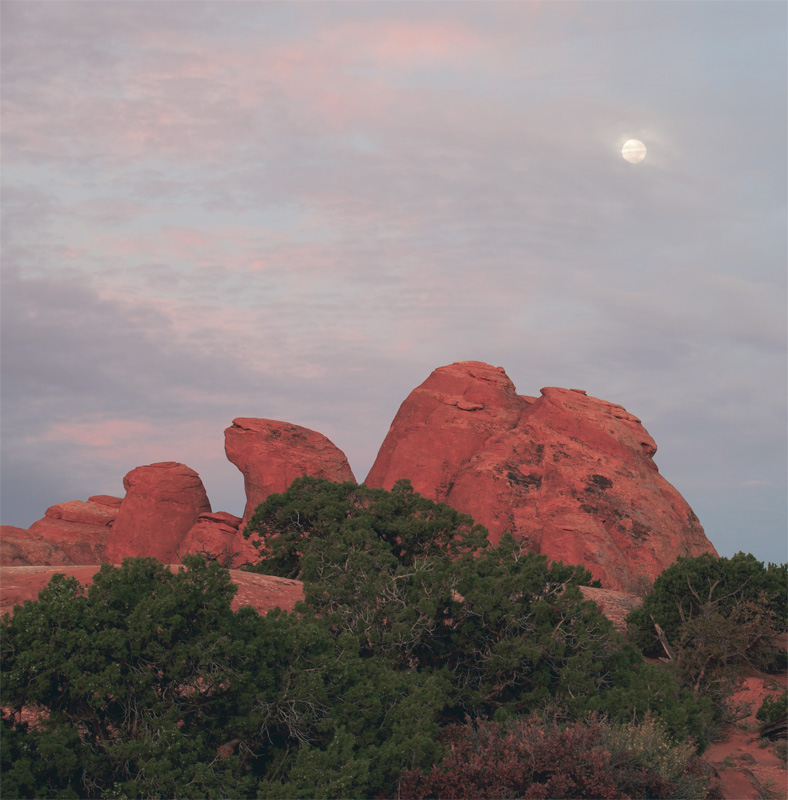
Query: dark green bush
x: 707, y: 582
x: 148, y: 684
x: 772, y: 708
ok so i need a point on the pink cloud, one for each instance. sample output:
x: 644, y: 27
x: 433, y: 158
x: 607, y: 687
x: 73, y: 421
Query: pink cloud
x: 183, y: 97
x: 396, y: 43
x: 123, y: 444
x: 101, y: 434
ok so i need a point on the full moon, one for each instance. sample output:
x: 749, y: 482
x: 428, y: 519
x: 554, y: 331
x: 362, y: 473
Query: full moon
x: 634, y: 151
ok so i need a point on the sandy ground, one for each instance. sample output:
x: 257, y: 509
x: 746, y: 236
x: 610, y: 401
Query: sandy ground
x: 746, y: 770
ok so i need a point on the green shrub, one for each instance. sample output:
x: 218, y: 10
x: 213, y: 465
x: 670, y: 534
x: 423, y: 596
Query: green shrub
x: 772, y: 708
x: 722, y: 584
x: 148, y: 684
x: 420, y: 586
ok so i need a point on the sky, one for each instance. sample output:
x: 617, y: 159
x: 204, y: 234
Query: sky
x: 297, y: 211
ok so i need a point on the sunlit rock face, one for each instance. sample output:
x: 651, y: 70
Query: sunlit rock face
x: 75, y: 532
x: 163, y: 502
x: 571, y: 475
x: 272, y: 454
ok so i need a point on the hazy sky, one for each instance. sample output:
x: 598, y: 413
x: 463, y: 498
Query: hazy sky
x: 299, y: 210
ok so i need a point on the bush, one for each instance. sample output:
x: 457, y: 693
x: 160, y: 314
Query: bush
x: 724, y: 585
x: 532, y: 758
x: 149, y: 685
x: 418, y: 585
x: 406, y: 525
x: 772, y: 708
x: 715, y: 617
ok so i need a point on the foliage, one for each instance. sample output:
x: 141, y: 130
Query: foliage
x: 715, y: 617
x: 417, y: 584
x: 773, y: 707
x: 403, y: 522
x: 706, y: 582
x: 780, y: 750
x: 133, y: 670
x: 535, y: 758
x: 713, y: 647
x: 149, y: 684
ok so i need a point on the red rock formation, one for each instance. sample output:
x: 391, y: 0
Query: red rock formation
x: 442, y: 424
x: 163, y: 501
x: 20, y: 548
x: 571, y: 475
x: 272, y: 454
x: 75, y: 532
x: 217, y: 535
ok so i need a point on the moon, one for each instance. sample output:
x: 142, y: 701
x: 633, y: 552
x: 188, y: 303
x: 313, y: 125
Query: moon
x: 633, y: 151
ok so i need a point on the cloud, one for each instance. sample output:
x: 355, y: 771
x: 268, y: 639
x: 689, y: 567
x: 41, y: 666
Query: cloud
x: 298, y: 211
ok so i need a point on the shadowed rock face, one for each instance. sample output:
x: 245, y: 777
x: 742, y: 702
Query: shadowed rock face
x: 571, y: 475
x: 272, y: 454
x: 163, y: 502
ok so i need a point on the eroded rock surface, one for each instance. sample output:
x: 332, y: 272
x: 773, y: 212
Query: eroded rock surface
x: 272, y: 454
x: 571, y: 475
x: 163, y: 502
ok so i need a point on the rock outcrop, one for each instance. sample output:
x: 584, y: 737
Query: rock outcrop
x: 272, y: 454
x: 163, y: 502
x: 571, y: 475
x: 20, y: 548
x: 75, y: 532
x: 217, y: 536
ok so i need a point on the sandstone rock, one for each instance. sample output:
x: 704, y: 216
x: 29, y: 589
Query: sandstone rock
x: 616, y: 606
x: 75, y: 532
x: 107, y: 501
x: 442, y: 424
x: 163, y: 502
x: 20, y: 548
x: 217, y: 535
x: 90, y: 513
x: 571, y: 475
x: 272, y: 454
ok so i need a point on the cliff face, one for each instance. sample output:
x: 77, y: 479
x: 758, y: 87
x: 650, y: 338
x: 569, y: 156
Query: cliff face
x: 571, y: 475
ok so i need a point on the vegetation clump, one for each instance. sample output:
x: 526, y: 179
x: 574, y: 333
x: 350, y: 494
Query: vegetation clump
x: 417, y: 640
x: 535, y: 758
x: 713, y: 618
